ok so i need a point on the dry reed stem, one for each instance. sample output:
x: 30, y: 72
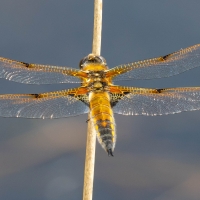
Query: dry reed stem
x: 91, y: 135
x: 96, y: 45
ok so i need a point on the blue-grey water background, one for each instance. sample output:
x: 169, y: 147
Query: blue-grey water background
x: 156, y: 158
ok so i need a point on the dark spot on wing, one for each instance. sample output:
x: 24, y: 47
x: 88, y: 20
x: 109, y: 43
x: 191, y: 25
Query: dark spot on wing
x: 36, y: 95
x: 83, y: 98
x: 159, y: 90
x: 165, y: 57
x: 112, y: 104
x: 115, y: 100
x: 126, y: 93
x: 26, y: 64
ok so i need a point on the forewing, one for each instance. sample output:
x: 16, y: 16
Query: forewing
x: 65, y: 103
x: 37, y: 74
x: 141, y: 101
x: 163, y: 66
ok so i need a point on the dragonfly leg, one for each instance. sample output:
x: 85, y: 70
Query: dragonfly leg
x: 87, y: 120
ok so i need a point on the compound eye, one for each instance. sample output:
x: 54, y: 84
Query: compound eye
x: 91, y: 58
x: 96, y: 59
x: 99, y: 59
x: 103, y: 60
x: 82, y: 61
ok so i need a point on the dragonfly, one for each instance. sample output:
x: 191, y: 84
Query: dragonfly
x: 97, y: 95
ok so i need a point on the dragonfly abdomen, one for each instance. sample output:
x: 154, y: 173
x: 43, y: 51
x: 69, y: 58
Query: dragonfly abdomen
x: 103, y: 121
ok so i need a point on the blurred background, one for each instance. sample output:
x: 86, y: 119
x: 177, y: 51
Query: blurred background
x: 156, y: 158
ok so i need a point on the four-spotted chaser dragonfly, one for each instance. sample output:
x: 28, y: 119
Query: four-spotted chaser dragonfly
x: 97, y: 93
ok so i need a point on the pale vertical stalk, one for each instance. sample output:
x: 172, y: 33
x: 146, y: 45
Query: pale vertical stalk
x: 91, y: 135
x: 89, y: 163
x: 96, y: 45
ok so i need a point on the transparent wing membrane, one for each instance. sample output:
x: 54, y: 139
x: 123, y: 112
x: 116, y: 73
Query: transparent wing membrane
x: 142, y: 101
x: 37, y: 74
x: 46, y: 105
x: 164, y: 66
x: 124, y: 100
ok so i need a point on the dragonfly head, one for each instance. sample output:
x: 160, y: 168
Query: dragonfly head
x: 92, y: 59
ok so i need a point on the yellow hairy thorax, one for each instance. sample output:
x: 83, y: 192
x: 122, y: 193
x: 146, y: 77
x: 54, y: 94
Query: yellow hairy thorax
x: 95, y: 67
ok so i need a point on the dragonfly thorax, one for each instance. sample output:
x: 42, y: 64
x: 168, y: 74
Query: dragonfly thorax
x: 96, y: 81
x: 97, y: 86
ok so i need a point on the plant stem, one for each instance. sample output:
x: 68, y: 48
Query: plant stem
x: 91, y: 135
x: 96, y: 45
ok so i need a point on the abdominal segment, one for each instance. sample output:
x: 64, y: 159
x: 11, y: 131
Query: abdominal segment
x: 103, y: 121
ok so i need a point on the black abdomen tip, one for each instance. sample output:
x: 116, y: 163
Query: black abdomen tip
x: 110, y: 152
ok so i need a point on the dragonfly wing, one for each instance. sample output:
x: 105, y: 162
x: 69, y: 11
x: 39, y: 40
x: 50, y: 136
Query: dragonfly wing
x: 164, y: 66
x: 143, y: 101
x: 56, y: 104
x: 37, y: 74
